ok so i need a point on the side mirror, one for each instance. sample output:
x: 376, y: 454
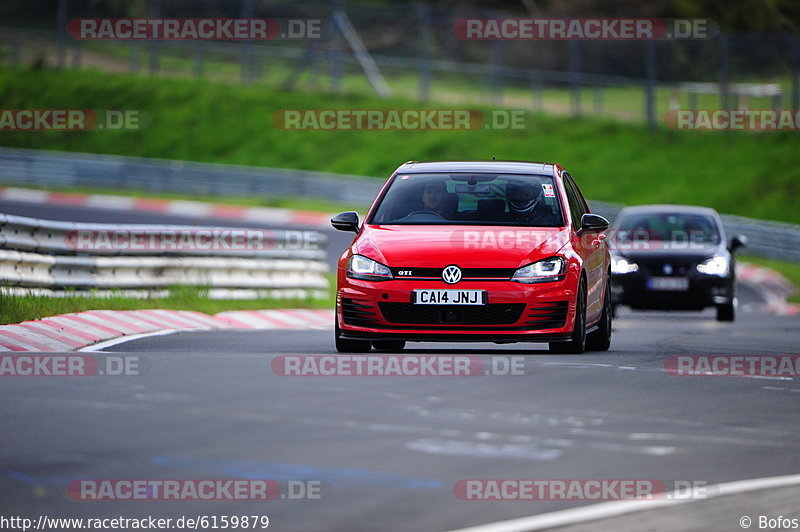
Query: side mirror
x: 346, y: 221
x: 593, y: 223
x: 738, y: 241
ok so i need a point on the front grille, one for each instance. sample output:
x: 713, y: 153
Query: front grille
x: 358, y: 313
x: 491, y: 314
x: 466, y: 273
x: 551, y: 315
x: 656, y: 267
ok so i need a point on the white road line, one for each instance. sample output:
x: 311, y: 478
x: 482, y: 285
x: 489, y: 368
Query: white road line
x: 609, y: 509
x: 122, y: 339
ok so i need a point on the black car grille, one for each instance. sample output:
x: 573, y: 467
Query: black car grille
x: 547, y: 315
x: 656, y: 267
x: 358, y: 313
x: 466, y: 273
x: 491, y: 314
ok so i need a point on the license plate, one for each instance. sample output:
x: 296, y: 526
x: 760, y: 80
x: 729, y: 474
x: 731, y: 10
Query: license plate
x: 672, y: 284
x: 449, y: 297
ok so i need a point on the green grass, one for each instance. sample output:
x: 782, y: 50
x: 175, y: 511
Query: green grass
x: 790, y: 270
x: 741, y: 173
x: 14, y: 309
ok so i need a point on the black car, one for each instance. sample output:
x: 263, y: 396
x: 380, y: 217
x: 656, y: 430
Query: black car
x: 673, y: 257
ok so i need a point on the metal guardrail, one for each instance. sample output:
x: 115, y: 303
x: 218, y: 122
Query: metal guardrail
x: 62, y: 169
x: 37, y: 253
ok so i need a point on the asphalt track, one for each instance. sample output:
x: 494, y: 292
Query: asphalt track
x: 390, y: 449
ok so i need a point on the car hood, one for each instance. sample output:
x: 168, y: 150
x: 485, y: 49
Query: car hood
x: 436, y: 246
x: 694, y: 253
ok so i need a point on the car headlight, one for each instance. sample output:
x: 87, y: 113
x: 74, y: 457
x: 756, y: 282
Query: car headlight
x: 715, y: 266
x: 360, y: 267
x: 543, y: 271
x: 622, y: 266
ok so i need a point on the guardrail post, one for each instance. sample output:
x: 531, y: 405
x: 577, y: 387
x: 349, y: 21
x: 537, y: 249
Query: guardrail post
x: 598, y: 100
x: 537, y: 87
x: 197, y: 59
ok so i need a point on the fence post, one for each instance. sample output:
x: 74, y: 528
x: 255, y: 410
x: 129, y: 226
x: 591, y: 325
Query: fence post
x: 153, y: 12
x: 650, y: 83
x: 62, y: 34
x: 575, y: 76
x: 724, y: 71
x: 245, y: 47
x: 795, y: 72
x: 424, y: 51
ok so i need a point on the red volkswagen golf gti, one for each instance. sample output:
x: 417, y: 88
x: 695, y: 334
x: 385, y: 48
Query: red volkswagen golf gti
x: 486, y: 251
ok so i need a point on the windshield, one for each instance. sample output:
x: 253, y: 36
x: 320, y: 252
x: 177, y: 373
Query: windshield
x: 668, y: 227
x: 470, y: 199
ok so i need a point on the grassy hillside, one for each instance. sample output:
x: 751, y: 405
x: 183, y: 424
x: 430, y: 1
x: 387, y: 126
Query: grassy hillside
x: 742, y: 173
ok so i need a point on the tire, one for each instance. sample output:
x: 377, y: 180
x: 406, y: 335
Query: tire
x: 577, y: 343
x: 600, y: 340
x: 726, y: 312
x: 345, y: 345
x: 389, y: 345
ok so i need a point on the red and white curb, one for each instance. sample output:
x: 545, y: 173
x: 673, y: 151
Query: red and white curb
x: 195, y: 209
x: 772, y: 285
x: 90, y: 329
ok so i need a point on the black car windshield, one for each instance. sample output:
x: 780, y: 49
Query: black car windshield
x: 470, y: 199
x: 668, y: 227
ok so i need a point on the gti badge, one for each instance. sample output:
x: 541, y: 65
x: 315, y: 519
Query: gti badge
x: 451, y: 274
x: 668, y: 269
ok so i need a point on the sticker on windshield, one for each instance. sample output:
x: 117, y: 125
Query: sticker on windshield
x: 548, y: 190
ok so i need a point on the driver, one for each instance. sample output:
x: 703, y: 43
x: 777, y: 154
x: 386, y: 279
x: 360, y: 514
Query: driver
x: 524, y: 205
x: 434, y: 196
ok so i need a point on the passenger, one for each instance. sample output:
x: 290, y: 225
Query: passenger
x: 525, y: 205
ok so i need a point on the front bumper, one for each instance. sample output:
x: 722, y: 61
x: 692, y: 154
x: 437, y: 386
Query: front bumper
x: 513, y: 312
x: 704, y: 291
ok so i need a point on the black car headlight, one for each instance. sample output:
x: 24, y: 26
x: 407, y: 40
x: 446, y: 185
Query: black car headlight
x: 719, y: 266
x: 360, y: 267
x: 622, y: 266
x: 542, y: 271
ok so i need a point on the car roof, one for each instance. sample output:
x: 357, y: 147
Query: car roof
x: 669, y: 209
x: 507, y: 167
